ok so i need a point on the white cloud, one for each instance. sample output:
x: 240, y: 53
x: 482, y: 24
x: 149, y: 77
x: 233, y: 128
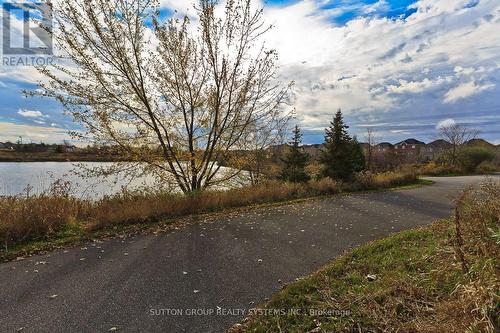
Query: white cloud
x: 465, y: 90
x: 444, y: 52
x: 11, y: 132
x: 30, y: 113
x: 416, y: 86
x: 379, y: 5
x: 182, y: 6
x: 371, y: 65
x: 445, y: 123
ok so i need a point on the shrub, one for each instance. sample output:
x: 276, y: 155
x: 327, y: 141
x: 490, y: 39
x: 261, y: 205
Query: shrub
x: 487, y: 167
x: 471, y: 158
x: 434, y: 169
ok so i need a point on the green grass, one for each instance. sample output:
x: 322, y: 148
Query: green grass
x: 343, y: 288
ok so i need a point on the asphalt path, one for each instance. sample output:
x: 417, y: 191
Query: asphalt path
x: 204, y: 277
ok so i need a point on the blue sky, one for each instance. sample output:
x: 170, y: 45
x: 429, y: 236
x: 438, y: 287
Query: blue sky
x: 401, y: 67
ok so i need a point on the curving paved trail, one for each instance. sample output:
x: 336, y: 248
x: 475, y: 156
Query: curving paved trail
x: 144, y: 283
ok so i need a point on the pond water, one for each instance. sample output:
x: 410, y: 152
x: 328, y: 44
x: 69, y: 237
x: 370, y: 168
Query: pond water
x: 16, y: 177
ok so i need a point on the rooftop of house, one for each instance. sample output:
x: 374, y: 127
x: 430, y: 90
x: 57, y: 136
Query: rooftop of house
x: 440, y: 143
x: 411, y: 142
x: 479, y: 143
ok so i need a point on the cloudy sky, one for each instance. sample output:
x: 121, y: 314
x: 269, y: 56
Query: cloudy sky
x: 402, y: 67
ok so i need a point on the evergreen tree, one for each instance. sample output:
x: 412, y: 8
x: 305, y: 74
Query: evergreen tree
x: 342, y: 155
x: 358, y: 160
x: 295, y: 160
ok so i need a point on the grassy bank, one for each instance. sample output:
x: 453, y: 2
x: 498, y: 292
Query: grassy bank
x: 32, y: 223
x: 442, y: 278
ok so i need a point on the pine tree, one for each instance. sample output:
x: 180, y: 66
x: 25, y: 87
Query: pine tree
x: 295, y: 160
x: 342, y: 155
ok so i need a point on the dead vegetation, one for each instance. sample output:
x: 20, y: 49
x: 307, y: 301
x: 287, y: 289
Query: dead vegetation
x: 34, y: 217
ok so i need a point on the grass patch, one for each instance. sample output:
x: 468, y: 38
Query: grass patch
x: 40, y: 223
x: 441, y: 278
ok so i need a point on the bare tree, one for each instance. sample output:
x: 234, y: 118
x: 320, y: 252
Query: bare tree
x: 457, y: 135
x: 174, y: 96
x: 370, y: 140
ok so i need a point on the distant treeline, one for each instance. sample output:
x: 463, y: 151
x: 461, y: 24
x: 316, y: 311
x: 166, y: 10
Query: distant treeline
x: 41, y: 152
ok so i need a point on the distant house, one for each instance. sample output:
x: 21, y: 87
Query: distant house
x: 409, y: 144
x: 433, y: 150
x: 408, y: 150
x: 384, y: 147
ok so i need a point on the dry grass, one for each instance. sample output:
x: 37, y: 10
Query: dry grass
x: 373, y: 181
x: 30, y: 216
x: 420, y: 284
x: 26, y: 218
x: 39, y: 217
x: 434, y: 169
x: 137, y: 208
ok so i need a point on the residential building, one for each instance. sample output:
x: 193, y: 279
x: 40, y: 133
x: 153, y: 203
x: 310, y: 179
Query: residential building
x: 408, y: 151
x: 384, y: 147
x: 434, y: 150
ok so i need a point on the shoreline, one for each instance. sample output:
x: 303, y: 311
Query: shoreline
x: 62, y: 157
x: 80, y: 230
